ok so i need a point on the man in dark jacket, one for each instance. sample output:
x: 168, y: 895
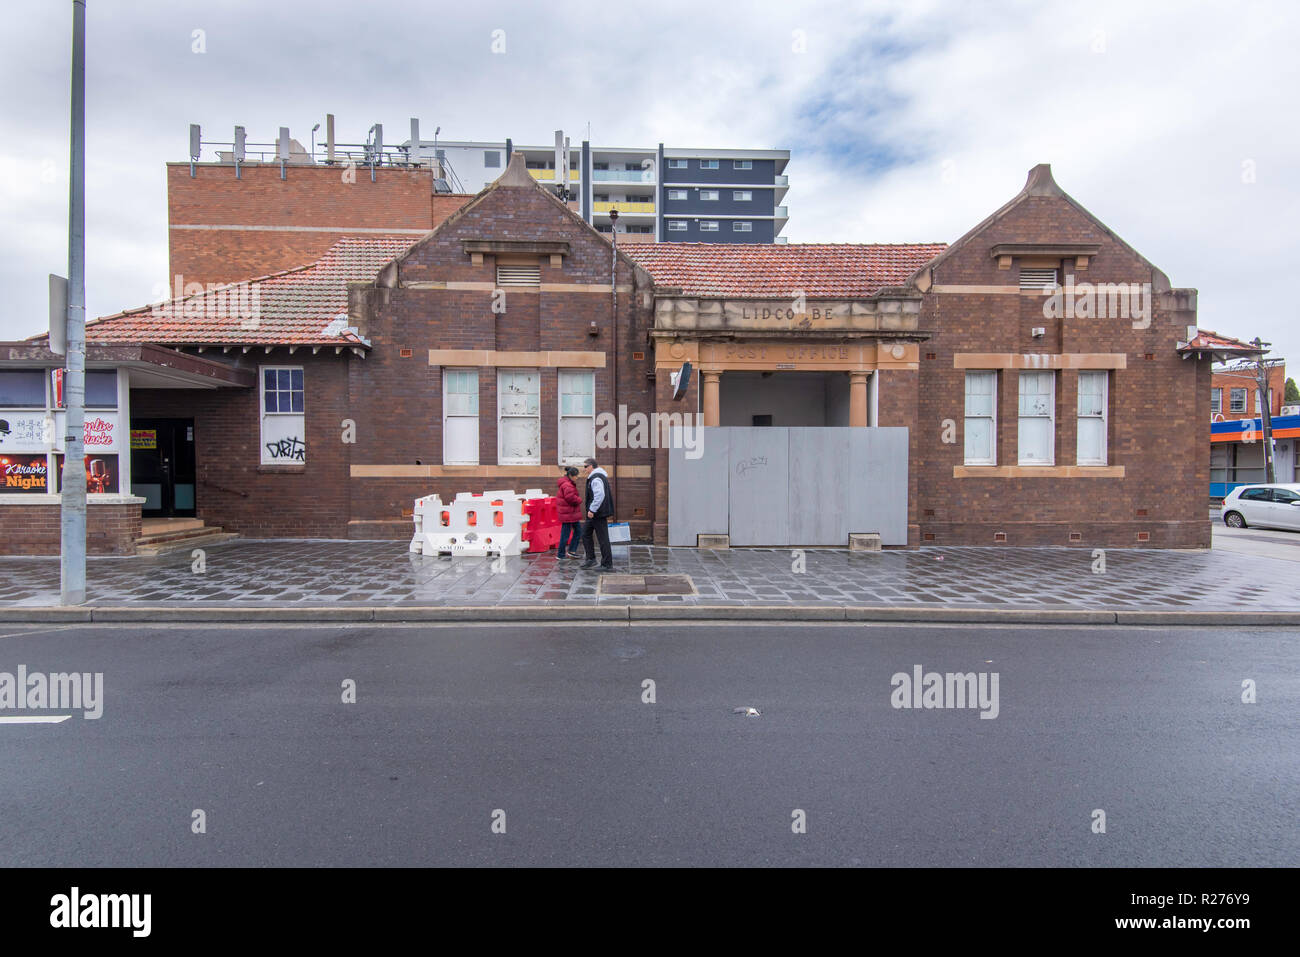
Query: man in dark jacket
x: 598, y: 504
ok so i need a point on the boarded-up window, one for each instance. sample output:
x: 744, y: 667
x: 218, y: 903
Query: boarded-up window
x: 460, y: 416
x: 519, y: 418
x: 980, y: 418
x: 577, y: 416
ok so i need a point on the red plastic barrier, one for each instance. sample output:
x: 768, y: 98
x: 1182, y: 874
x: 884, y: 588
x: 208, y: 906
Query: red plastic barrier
x: 543, y: 527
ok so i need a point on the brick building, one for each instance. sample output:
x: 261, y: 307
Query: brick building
x: 977, y: 393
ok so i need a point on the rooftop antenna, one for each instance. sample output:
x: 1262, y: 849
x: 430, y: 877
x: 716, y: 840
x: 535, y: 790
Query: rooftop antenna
x: 196, y: 145
x: 240, y: 139
x: 284, y: 149
x: 377, y: 148
x: 414, y: 151
x: 329, y: 138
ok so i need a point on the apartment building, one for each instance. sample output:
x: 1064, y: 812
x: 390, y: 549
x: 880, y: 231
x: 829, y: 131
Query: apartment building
x: 661, y: 194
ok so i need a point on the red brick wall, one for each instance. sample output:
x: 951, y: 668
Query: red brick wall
x: 1157, y: 415
x: 397, y: 402
x: 308, y: 196
x: 36, y: 529
x: 1276, y: 384
x: 233, y: 489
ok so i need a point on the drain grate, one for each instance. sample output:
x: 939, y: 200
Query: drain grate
x: 646, y: 585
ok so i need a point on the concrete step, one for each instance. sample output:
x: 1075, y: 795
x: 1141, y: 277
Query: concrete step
x: 205, y: 537
x: 170, y: 535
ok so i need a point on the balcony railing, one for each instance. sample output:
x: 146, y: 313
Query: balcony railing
x: 549, y: 174
x: 623, y: 176
x: 623, y: 207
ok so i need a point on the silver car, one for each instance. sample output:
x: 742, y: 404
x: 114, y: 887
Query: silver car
x: 1263, y: 506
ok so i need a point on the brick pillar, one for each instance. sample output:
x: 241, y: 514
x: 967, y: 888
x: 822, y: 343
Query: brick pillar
x: 898, y: 406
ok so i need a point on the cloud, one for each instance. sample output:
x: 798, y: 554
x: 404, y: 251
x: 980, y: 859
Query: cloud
x: 906, y: 121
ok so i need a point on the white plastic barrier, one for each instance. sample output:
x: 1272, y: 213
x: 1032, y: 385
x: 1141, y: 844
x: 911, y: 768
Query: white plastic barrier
x: 427, y: 515
x: 491, y: 523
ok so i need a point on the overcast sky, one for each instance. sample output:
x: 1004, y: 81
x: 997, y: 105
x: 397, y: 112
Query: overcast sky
x: 1174, y: 123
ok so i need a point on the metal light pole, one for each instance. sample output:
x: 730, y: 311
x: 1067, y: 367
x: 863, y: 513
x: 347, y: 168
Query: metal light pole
x: 1265, y: 410
x: 73, y: 512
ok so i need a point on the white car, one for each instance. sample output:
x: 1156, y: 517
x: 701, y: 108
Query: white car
x: 1263, y: 506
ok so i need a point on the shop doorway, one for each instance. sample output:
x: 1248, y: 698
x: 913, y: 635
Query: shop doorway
x: 162, y: 466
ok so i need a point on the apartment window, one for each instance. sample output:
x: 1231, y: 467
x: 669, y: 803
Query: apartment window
x: 601, y: 197
x: 676, y: 164
x: 1037, y: 278
x: 709, y: 195
x: 678, y: 194
x: 677, y: 225
x: 517, y: 275
x: 1092, y: 418
x: 577, y: 416
x: 283, y: 432
x: 1237, y: 400
x: 1216, y: 401
x: 740, y: 226
x: 742, y: 195
x: 603, y: 166
x: 1258, y: 405
x: 492, y: 159
x: 460, y: 416
x: 1037, y: 430
x: 742, y: 164
x: 708, y: 164
x: 708, y: 226
x: 519, y: 418
x: 981, y: 418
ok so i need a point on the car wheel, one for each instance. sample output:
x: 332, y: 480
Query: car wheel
x: 1234, y: 520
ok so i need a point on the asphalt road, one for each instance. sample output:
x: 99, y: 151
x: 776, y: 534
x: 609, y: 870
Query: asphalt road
x: 548, y: 725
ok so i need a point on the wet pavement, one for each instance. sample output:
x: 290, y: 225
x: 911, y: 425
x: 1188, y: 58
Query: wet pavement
x: 384, y: 573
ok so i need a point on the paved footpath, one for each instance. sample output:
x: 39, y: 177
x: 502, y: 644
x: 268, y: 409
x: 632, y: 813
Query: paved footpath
x: 304, y: 574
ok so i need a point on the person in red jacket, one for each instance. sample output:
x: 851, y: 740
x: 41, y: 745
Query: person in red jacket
x: 570, y: 513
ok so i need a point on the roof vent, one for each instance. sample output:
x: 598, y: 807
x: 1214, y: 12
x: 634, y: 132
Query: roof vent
x: 519, y: 275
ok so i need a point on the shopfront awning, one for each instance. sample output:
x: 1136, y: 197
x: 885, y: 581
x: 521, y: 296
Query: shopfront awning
x: 149, y: 366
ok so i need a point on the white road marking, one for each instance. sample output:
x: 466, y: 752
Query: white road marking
x: 34, y: 718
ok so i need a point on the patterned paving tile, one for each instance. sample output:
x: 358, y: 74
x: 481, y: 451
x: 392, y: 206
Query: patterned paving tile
x: 332, y: 572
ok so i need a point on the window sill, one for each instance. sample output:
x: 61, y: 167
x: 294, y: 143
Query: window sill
x: 1038, y: 471
x: 283, y: 469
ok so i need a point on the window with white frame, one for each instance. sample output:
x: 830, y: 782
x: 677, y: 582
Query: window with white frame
x: 1092, y: 418
x: 519, y: 417
x: 284, y: 437
x: 460, y: 417
x: 677, y: 225
x: 708, y: 164
x: 709, y: 195
x: 1216, y: 401
x: 678, y: 194
x: 577, y: 416
x: 742, y: 164
x: 981, y: 418
x: 1237, y: 400
x: 741, y: 226
x: 708, y: 226
x: 677, y: 164
x: 1037, y: 431
x: 742, y: 195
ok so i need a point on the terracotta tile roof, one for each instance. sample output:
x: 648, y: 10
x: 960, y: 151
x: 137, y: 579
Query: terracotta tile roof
x: 303, y: 306
x: 1206, y: 340
x: 832, y: 270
